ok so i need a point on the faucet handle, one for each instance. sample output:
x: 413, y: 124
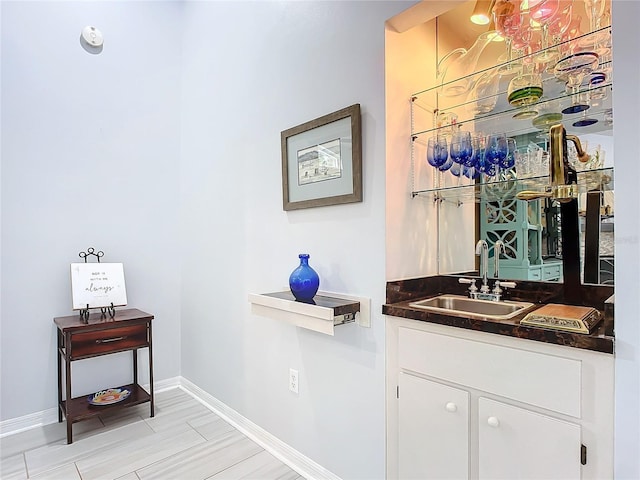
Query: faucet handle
x: 496, y: 286
x: 471, y: 282
x: 529, y: 195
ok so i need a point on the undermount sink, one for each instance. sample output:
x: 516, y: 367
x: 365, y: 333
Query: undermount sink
x: 471, y: 308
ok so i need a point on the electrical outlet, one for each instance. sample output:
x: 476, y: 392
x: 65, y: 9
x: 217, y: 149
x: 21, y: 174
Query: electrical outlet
x: 293, y: 380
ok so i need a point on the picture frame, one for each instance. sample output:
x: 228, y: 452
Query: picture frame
x: 322, y: 161
x: 97, y: 285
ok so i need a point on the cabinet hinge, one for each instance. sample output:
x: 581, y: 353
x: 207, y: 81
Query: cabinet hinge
x: 583, y: 454
x: 397, y: 391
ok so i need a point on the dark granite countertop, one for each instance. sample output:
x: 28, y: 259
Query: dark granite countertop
x: 401, y: 293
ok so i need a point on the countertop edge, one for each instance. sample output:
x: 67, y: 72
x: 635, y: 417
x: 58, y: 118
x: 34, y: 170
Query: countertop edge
x: 598, y: 343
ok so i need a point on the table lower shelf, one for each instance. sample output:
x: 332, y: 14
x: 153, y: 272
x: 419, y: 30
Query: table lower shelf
x: 79, y: 408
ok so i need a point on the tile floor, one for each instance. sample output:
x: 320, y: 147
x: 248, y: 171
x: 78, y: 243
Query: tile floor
x: 183, y: 441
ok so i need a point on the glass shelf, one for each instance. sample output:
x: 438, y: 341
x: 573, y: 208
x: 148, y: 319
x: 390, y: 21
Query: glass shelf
x: 425, y: 103
x: 598, y: 179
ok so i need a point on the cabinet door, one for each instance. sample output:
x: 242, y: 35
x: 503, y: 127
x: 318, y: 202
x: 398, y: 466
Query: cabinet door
x: 515, y: 443
x: 433, y: 430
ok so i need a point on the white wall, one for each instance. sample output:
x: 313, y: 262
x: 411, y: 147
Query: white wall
x: 182, y: 184
x: 90, y: 158
x: 252, y: 70
x: 422, y: 237
x: 164, y: 152
x: 412, y: 223
x: 626, y: 104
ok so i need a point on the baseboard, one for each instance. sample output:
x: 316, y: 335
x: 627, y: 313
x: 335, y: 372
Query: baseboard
x: 50, y: 415
x: 276, y: 447
x: 27, y: 422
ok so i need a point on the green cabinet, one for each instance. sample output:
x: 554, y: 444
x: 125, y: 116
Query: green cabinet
x: 518, y: 224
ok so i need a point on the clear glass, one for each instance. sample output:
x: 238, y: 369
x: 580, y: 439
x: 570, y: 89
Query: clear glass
x: 435, y: 115
x: 572, y: 69
x: 484, y: 95
x: 554, y: 17
x: 428, y: 104
x: 525, y: 90
x: 549, y: 114
x: 508, y: 18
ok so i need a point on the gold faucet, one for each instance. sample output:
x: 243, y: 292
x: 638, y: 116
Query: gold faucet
x: 563, y: 186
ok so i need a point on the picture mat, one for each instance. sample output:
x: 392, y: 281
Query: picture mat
x: 97, y: 285
x: 340, y: 129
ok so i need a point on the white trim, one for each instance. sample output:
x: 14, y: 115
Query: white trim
x: 27, y: 422
x: 166, y: 384
x: 276, y: 447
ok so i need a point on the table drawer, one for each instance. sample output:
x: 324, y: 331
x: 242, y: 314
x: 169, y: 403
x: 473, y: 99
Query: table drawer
x: 535, y: 273
x: 110, y: 340
x: 551, y: 272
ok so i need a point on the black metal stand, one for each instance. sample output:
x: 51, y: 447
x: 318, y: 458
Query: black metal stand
x: 592, y: 237
x: 111, y: 310
x: 571, y: 251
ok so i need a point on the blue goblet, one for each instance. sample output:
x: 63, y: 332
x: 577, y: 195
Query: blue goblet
x: 497, y: 149
x: 470, y: 172
x: 461, y: 147
x: 477, y: 148
x: 486, y: 167
x: 437, y: 152
x: 510, y: 160
x: 446, y: 165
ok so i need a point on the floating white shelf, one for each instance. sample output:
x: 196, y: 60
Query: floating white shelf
x: 326, y: 311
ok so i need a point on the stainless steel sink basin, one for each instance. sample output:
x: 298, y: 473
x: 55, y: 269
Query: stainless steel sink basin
x: 470, y: 308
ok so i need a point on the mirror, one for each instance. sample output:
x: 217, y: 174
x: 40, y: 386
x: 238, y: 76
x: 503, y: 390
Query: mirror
x: 530, y: 231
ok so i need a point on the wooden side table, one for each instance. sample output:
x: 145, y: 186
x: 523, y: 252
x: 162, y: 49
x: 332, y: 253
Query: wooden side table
x: 129, y: 330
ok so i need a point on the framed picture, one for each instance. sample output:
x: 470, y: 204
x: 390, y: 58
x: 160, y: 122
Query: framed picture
x: 97, y: 285
x: 322, y: 161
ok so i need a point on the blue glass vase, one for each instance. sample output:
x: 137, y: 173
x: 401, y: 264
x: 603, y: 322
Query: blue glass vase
x: 304, y: 280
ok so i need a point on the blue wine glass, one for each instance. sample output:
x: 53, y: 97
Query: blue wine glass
x: 477, y: 147
x: 496, y: 150
x: 446, y: 165
x: 486, y: 167
x: 461, y: 147
x: 470, y: 172
x: 437, y: 151
x: 510, y: 160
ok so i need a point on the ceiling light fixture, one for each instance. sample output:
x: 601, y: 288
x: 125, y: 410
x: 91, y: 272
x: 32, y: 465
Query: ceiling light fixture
x: 482, y: 12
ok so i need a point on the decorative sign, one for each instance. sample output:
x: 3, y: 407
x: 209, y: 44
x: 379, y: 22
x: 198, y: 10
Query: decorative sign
x: 97, y: 285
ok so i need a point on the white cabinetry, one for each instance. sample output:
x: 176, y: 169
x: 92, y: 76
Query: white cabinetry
x: 517, y: 443
x: 424, y: 407
x: 464, y: 404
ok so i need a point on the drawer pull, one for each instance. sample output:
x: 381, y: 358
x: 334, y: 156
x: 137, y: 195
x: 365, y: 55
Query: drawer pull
x: 451, y: 407
x: 108, y: 340
x: 493, y: 422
